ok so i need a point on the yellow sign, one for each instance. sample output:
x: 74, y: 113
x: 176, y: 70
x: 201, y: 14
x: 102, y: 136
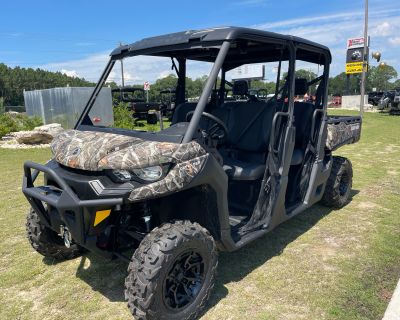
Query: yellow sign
x: 355, y: 67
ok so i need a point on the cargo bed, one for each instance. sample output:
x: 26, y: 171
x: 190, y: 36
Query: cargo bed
x: 342, y: 130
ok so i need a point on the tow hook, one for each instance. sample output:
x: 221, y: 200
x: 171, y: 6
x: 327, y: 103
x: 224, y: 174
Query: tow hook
x: 66, y: 235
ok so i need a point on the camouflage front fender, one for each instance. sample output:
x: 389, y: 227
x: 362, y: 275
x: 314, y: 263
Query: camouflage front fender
x: 179, y: 177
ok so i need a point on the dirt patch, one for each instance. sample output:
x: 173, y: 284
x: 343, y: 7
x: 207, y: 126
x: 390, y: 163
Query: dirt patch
x: 385, y: 295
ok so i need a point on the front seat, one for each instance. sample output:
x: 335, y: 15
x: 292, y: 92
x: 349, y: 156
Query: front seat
x: 249, y: 128
x: 181, y: 111
x: 240, y: 170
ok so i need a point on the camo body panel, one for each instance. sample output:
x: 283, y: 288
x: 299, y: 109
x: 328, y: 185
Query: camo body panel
x: 181, y: 175
x: 150, y: 153
x: 342, y: 133
x: 95, y: 151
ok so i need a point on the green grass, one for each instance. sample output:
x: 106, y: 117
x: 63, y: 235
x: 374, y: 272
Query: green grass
x: 142, y: 125
x: 322, y: 264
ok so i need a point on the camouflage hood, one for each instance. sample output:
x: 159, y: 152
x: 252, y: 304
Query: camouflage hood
x: 94, y: 151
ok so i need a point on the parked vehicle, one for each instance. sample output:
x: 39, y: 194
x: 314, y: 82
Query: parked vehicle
x: 374, y: 97
x: 167, y: 101
x: 221, y: 176
x: 396, y: 100
x: 387, y: 102
x: 136, y: 98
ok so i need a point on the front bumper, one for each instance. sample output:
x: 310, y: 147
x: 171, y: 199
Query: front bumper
x: 57, y: 204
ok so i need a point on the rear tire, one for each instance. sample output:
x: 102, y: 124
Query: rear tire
x: 46, y: 242
x: 340, y: 181
x: 172, y: 272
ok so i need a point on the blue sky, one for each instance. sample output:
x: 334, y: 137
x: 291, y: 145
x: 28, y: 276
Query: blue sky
x: 75, y: 37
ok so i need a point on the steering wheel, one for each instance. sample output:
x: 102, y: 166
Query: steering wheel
x: 217, y: 131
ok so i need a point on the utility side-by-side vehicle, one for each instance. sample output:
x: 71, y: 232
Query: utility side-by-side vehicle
x: 136, y: 100
x: 222, y: 175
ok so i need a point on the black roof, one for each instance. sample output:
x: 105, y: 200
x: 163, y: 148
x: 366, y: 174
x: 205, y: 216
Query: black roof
x: 171, y: 44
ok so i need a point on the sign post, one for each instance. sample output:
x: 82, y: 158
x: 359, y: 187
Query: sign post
x: 146, y: 87
x: 357, y: 61
x: 365, y: 54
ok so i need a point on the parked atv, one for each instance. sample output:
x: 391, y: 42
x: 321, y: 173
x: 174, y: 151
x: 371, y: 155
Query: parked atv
x: 167, y: 101
x: 135, y: 97
x: 222, y: 175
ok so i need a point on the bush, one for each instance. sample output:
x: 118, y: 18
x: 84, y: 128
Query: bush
x: 123, y: 117
x: 17, y: 122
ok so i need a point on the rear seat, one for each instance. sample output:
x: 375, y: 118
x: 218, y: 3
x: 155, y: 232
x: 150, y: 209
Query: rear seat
x: 303, y: 113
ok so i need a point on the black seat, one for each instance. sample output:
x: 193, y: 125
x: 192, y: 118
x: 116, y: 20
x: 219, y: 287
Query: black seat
x: 240, y: 88
x: 249, y: 125
x: 303, y: 112
x: 182, y: 110
x: 240, y: 170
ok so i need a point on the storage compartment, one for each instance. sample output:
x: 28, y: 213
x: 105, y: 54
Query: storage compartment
x: 342, y: 130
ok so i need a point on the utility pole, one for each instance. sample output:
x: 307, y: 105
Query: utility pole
x: 122, y: 70
x: 365, y: 61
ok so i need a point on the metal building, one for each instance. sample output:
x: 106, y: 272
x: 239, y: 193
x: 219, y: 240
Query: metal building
x: 64, y: 105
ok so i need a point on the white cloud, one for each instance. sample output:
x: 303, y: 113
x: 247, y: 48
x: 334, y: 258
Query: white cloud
x: 383, y: 29
x: 394, y: 41
x: 89, y: 67
x: 164, y: 74
x: 70, y: 73
x: 331, y: 30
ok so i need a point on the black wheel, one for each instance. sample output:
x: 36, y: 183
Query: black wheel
x: 172, y: 272
x: 47, y: 242
x: 338, y: 186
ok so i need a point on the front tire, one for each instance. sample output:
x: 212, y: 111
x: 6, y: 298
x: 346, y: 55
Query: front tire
x: 340, y: 181
x: 46, y: 242
x: 172, y: 272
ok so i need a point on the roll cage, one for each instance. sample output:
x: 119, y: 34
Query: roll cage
x: 227, y: 48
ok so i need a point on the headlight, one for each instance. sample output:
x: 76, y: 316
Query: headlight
x: 149, y: 174
x: 121, y: 175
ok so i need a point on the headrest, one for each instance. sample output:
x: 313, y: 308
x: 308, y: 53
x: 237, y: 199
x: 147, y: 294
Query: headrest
x: 240, y: 88
x: 301, y: 87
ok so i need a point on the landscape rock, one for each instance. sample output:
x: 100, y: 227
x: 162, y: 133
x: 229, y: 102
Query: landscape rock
x: 51, y: 128
x: 33, y: 137
x: 39, y: 135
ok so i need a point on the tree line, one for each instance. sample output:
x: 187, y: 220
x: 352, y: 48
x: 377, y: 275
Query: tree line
x: 13, y: 81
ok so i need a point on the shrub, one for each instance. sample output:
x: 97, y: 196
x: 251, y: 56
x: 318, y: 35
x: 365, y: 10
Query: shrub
x: 2, y: 108
x: 17, y: 122
x: 123, y: 117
